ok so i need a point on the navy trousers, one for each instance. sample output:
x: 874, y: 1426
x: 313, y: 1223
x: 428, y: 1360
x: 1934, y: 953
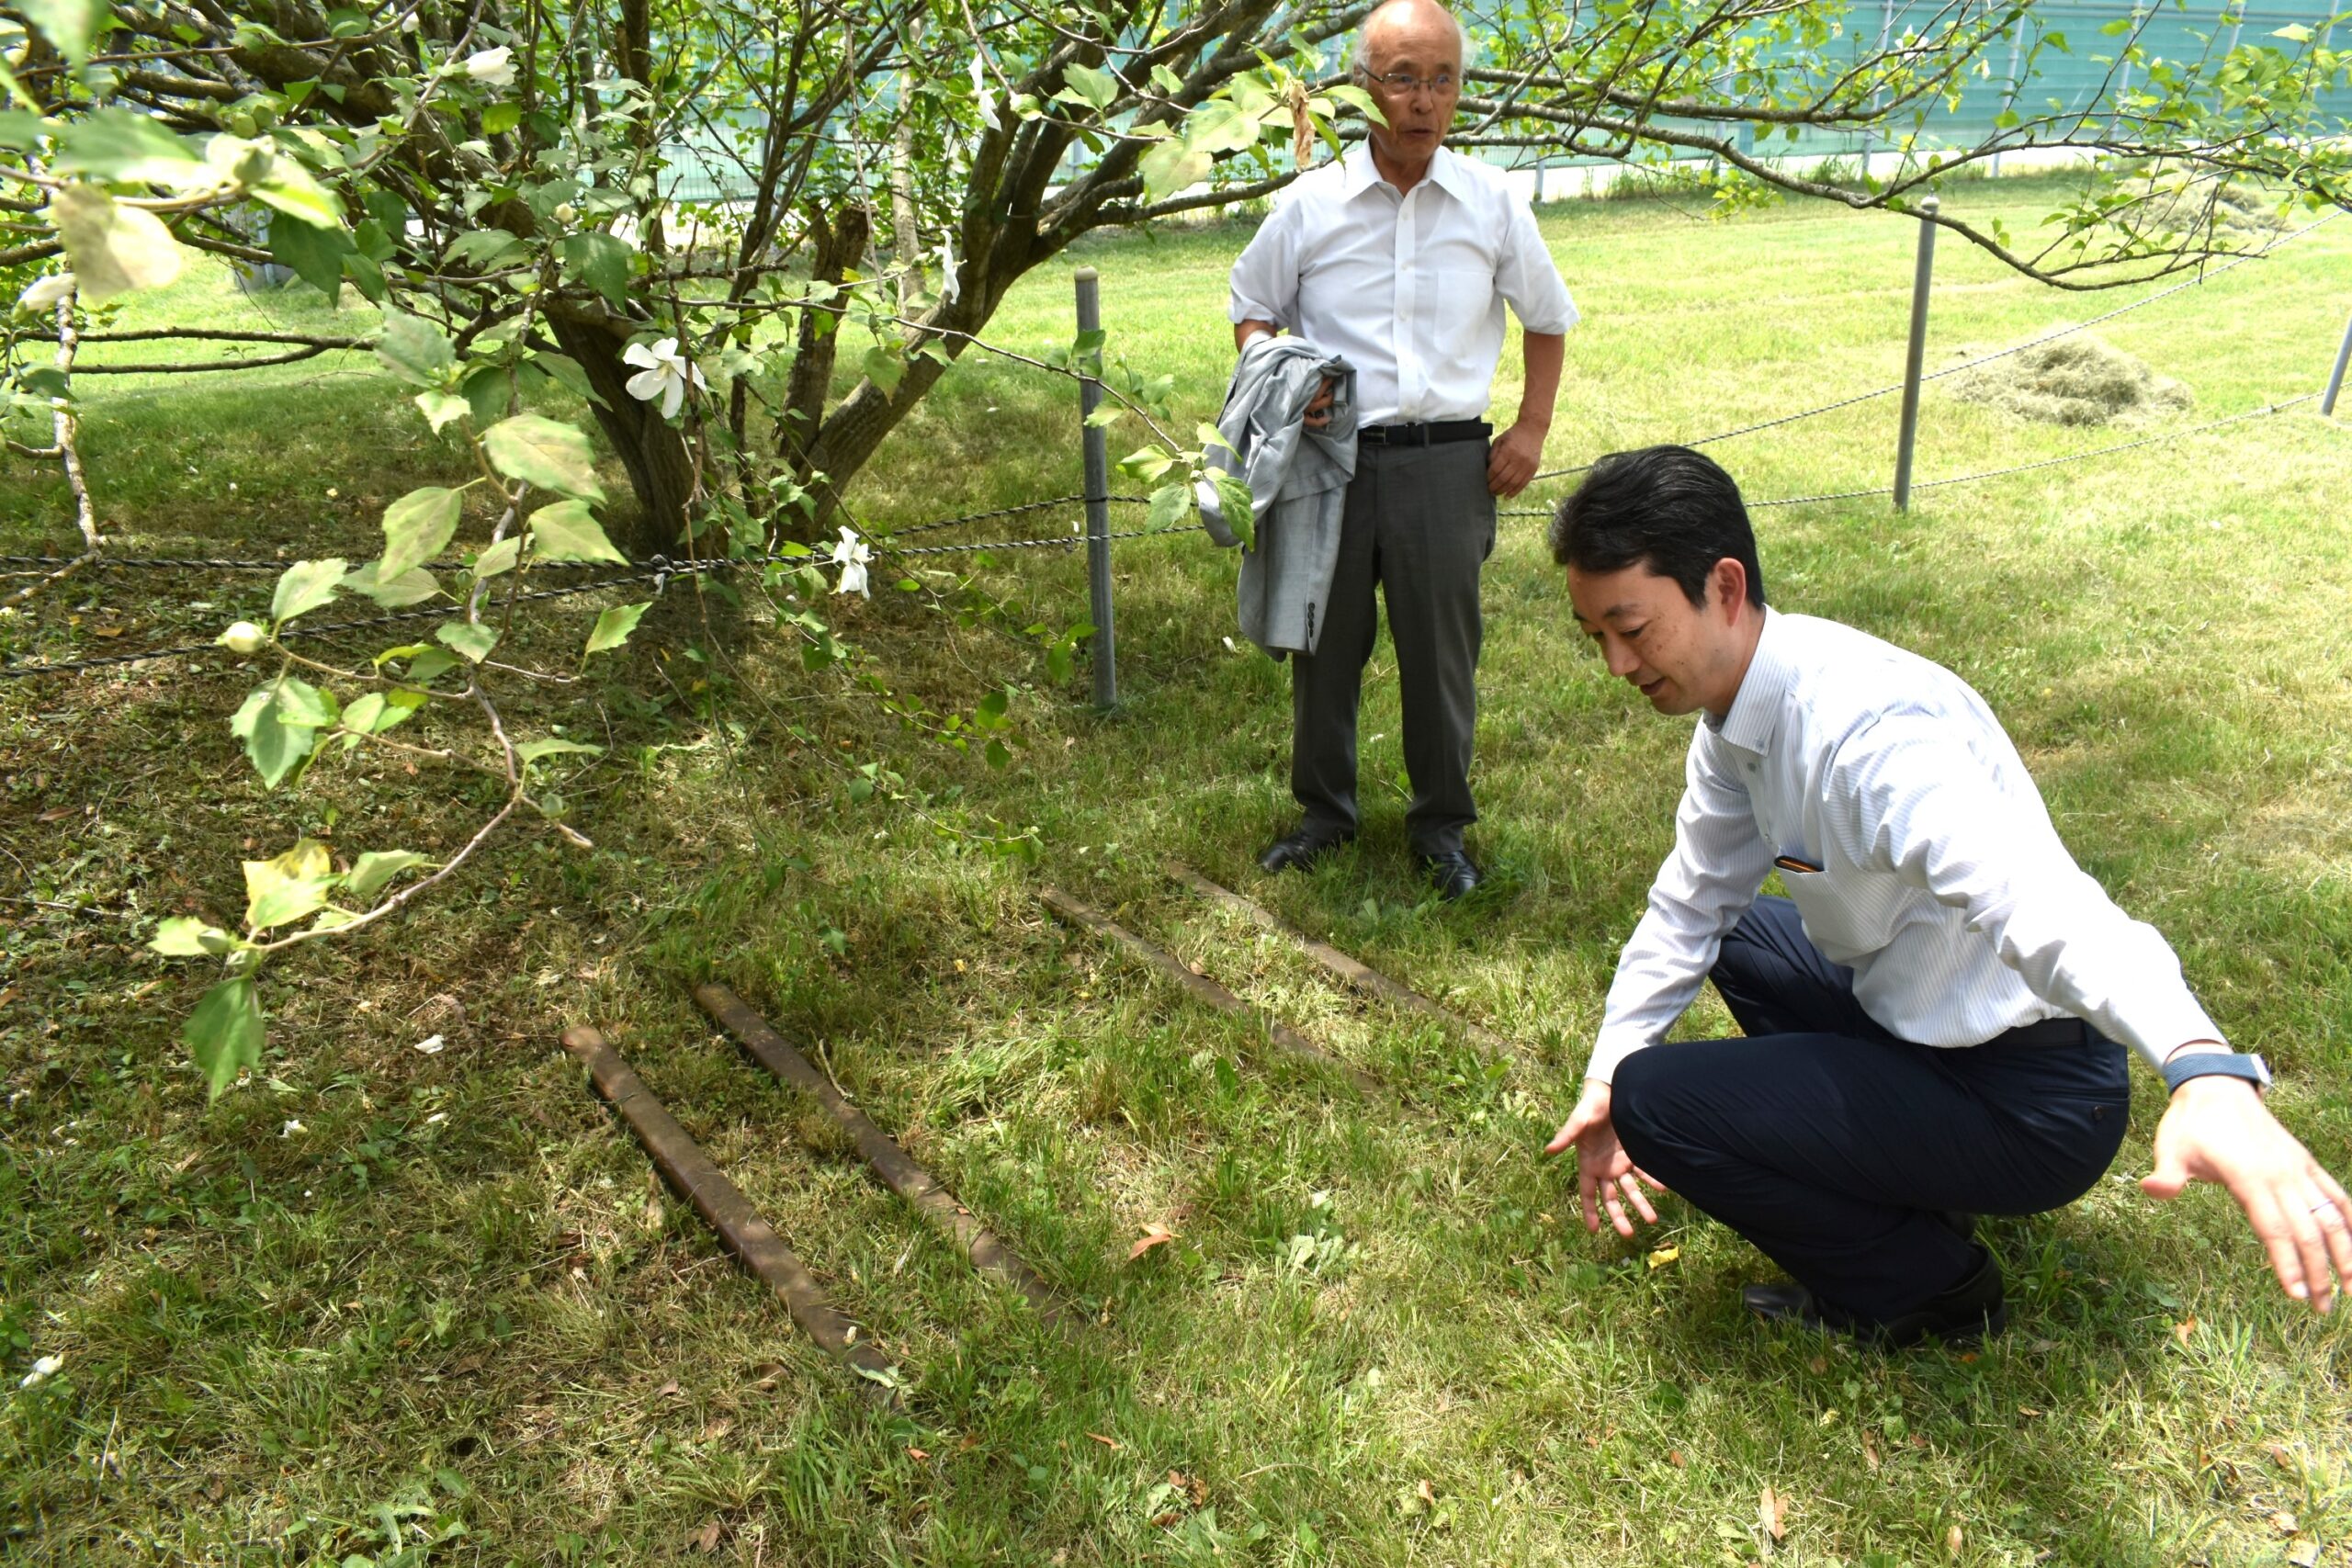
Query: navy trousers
x: 1835, y: 1147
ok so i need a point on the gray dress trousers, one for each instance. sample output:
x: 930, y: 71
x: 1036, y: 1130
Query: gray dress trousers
x: 1418, y: 525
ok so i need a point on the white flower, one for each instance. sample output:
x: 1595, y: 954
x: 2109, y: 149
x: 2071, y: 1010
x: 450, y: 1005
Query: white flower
x: 46, y: 1368
x: 665, y: 375
x: 850, y: 553
x: 45, y: 292
x: 492, y: 67
x: 950, y: 287
x: 292, y: 1128
x: 983, y: 93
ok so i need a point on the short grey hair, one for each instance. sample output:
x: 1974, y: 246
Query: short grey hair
x: 1360, y: 60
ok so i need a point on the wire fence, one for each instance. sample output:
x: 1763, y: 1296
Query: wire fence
x: 659, y: 569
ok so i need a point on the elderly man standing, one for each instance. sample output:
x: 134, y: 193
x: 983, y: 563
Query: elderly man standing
x: 1398, y: 258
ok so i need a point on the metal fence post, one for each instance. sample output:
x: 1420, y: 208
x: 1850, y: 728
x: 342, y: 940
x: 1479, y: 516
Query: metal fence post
x: 1917, y: 356
x: 1103, y: 660
x: 2336, y: 376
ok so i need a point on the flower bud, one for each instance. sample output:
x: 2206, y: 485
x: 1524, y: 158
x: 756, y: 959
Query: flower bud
x: 243, y: 639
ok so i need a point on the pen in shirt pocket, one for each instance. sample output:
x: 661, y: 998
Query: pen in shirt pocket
x: 1791, y: 862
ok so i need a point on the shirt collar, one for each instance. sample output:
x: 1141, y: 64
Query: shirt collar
x: 1755, y: 715
x: 1362, y: 173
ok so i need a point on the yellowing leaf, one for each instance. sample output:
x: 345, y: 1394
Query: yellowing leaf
x: 1153, y: 1235
x: 1664, y: 1255
x: 288, y: 887
x: 1771, y: 1512
x: 116, y: 249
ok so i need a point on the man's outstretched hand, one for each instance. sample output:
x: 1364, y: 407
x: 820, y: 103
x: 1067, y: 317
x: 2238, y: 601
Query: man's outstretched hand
x: 1604, y: 1171
x: 2217, y: 1129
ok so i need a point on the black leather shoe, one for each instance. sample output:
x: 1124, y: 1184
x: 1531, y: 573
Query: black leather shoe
x: 1453, y: 874
x: 1306, y: 844
x: 1970, y: 1311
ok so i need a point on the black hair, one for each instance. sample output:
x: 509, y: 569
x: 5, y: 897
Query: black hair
x: 1668, y: 508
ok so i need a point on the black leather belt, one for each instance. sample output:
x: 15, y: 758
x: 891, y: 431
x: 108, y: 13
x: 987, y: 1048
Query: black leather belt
x: 1435, y: 434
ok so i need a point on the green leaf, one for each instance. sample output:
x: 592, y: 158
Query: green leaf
x: 487, y: 250
x: 1105, y: 413
x: 413, y: 586
x: 371, y: 871
x: 442, y: 410
x: 1146, y: 464
x: 304, y: 586
x: 415, y: 350
x: 316, y: 254
x: 556, y: 747
x: 288, y: 887
x: 73, y: 26
x: 567, y: 532
x: 123, y: 147
x: 279, y: 723
x: 500, y: 118
x: 1221, y: 126
x: 1098, y: 87
x: 489, y: 391
x: 365, y: 275
x: 472, y: 642
x: 224, y: 1033
x: 1170, y: 503
x: 376, y: 712
x: 185, y: 937
x: 416, y: 528
x: 567, y: 371
x: 292, y: 189
x: 498, y: 558
x: 2293, y: 32
x: 614, y: 625
x: 884, y: 368
x: 1171, y: 166
x: 423, y: 663
x: 1234, y: 500
x: 116, y: 249
x: 600, y: 262
x: 543, y: 452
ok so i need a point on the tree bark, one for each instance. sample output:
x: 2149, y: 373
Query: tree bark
x: 660, y: 469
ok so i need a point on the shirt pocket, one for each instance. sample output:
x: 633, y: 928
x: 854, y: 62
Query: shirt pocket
x: 1848, y: 918
x: 1464, y: 306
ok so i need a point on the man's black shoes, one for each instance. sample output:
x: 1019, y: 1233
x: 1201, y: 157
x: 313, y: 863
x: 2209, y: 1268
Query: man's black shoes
x: 1308, y: 844
x: 1452, y: 874
x: 1970, y: 1311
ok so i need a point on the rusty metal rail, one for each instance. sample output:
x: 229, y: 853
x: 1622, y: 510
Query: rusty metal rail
x: 1356, y: 975
x: 681, y: 1162
x: 882, y: 1153
x: 1202, y: 987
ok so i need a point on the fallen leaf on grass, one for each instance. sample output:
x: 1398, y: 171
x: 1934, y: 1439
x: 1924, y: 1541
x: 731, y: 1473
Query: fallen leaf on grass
x: 1771, y: 1512
x: 914, y: 1452
x: 2285, y: 1523
x: 1869, y: 1453
x: 707, y: 1540
x: 1674, y: 1457
x: 2281, y: 1456
x: 1664, y: 1255
x: 1194, y: 1489
x: 1099, y: 1437
x: 1153, y: 1235
x: 2028, y: 1411
x: 666, y: 1390
x: 2304, y: 1553
x: 1818, y: 1365
x: 1954, y: 1540
x: 1426, y: 1493
x: 1168, y: 1520
x: 2184, y: 1328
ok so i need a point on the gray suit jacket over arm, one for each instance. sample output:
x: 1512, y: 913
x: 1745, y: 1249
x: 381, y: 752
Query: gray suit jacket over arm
x: 1298, y: 485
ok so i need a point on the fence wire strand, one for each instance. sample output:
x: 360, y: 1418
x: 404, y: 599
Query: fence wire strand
x: 2199, y: 281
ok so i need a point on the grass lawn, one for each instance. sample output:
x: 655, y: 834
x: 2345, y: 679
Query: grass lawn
x: 380, y: 1305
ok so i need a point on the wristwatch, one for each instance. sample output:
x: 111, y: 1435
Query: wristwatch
x: 2216, y: 1064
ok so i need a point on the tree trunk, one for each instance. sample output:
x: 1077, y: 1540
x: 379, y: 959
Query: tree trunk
x: 660, y: 469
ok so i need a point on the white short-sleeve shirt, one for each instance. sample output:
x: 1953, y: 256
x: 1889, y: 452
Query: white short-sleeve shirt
x: 1408, y: 287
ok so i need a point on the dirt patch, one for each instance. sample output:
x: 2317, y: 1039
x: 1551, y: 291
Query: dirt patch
x: 2077, y: 380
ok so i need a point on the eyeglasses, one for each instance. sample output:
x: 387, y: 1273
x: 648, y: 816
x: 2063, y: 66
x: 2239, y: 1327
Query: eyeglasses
x: 1404, y: 84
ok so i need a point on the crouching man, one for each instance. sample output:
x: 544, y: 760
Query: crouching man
x: 1937, y: 1017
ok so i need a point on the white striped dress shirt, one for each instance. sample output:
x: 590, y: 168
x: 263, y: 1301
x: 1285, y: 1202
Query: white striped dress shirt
x: 1942, y: 884
x: 1406, y: 287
